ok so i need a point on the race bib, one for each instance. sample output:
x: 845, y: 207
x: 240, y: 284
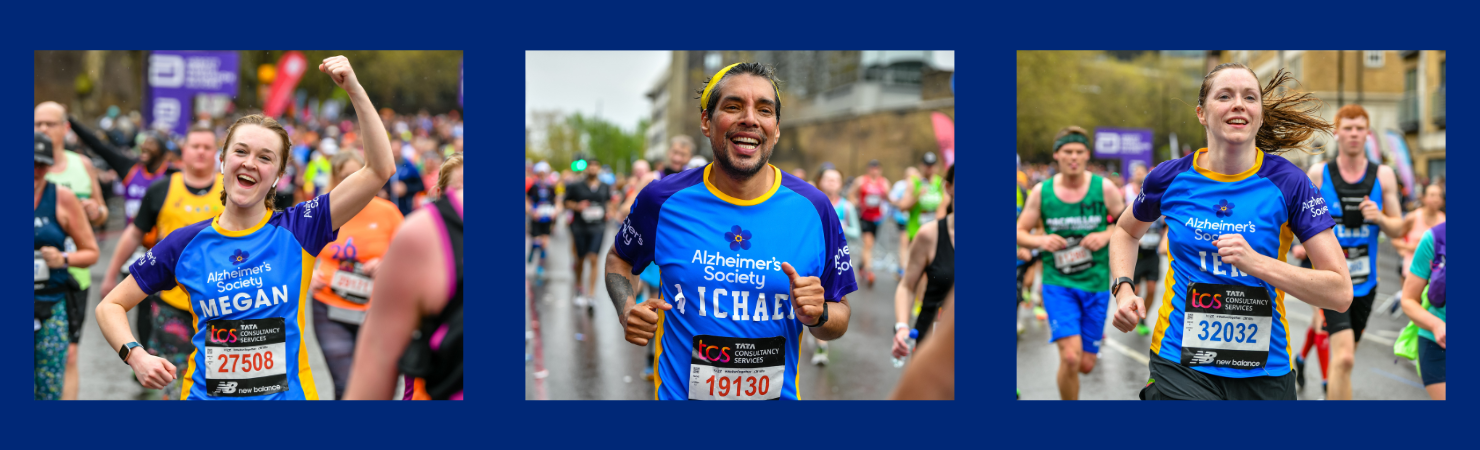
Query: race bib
x: 872, y: 200
x: 544, y: 212
x: 246, y: 358
x: 1358, y: 263
x: 594, y: 213
x: 1074, y: 258
x: 131, y: 207
x: 730, y: 368
x: 42, y: 273
x: 352, y: 286
x: 1227, y: 325
x: 349, y: 316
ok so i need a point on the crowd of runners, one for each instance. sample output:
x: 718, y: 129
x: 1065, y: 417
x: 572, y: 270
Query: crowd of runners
x: 730, y: 261
x: 242, y: 236
x: 1243, y: 231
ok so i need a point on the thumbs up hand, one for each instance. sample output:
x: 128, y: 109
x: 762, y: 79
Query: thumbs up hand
x: 641, y: 321
x: 806, y: 295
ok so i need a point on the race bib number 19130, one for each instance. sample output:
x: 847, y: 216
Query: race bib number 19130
x: 730, y: 368
x: 246, y: 358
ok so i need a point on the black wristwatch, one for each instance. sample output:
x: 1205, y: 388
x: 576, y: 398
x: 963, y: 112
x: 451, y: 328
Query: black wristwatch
x: 1115, y: 285
x: 821, y: 320
x: 125, y: 349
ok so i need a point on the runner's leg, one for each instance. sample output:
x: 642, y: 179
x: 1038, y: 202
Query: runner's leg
x: 1342, y: 360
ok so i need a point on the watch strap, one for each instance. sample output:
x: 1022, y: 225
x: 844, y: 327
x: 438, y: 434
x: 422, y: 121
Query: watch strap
x: 1115, y: 285
x: 124, y: 351
x: 820, y: 320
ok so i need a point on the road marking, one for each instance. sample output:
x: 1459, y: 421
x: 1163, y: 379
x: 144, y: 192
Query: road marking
x: 1396, y: 377
x: 1122, y: 349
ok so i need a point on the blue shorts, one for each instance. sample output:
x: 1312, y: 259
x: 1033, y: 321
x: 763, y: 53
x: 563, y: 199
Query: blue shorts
x: 1430, y: 361
x: 1072, y: 312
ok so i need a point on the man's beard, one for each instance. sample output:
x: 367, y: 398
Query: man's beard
x: 726, y: 163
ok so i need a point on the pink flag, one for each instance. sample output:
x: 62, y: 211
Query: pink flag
x: 289, y: 70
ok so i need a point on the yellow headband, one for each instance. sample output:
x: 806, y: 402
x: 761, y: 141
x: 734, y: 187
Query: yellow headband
x: 704, y: 98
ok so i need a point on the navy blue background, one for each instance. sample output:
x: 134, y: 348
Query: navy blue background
x: 495, y: 36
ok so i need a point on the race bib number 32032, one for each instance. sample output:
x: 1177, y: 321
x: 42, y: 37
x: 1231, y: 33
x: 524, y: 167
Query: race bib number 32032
x: 730, y: 368
x: 246, y: 358
x: 1227, y: 325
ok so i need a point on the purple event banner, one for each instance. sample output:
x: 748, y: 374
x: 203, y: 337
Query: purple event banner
x: 176, y: 77
x: 1131, y: 145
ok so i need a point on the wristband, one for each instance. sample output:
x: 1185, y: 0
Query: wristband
x: 65, y: 262
x: 899, y: 325
x: 820, y: 320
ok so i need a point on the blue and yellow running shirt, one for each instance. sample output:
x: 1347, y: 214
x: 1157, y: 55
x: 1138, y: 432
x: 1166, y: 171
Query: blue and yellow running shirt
x: 732, y: 333
x: 248, y: 296
x: 1214, y: 318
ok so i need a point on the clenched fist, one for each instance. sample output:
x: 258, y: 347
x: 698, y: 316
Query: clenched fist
x: 344, y: 76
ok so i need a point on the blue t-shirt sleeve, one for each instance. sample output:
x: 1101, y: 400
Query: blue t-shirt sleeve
x: 1309, y: 214
x: 311, y: 223
x: 837, y: 274
x: 156, y: 270
x: 1147, y: 206
x: 1423, y: 256
x: 635, y: 235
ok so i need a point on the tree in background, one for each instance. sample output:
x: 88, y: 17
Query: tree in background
x: 1095, y: 89
x: 558, y: 138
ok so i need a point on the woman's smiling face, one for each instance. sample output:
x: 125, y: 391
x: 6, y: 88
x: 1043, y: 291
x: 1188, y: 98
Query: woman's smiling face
x: 1232, y: 111
x: 251, y: 164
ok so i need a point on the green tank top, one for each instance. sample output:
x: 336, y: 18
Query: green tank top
x: 1076, y: 266
x: 76, y: 179
x: 928, y: 201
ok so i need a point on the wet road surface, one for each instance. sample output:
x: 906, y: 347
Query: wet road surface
x: 585, y: 357
x: 1121, y: 370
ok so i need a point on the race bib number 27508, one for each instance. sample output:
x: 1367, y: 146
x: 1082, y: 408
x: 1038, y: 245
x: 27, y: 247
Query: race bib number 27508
x: 246, y: 358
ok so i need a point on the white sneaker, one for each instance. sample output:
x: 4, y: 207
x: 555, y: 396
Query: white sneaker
x: 580, y: 300
x: 819, y: 358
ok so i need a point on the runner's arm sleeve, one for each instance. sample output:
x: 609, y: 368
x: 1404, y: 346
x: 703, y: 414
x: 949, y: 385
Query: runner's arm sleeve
x: 837, y: 268
x: 1147, y: 206
x: 634, y: 241
x: 121, y: 163
x: 1423, y: 256
x: 156, y: 270
x: 311, y: 223
x: 1308, y: 214
x: 151, y: 205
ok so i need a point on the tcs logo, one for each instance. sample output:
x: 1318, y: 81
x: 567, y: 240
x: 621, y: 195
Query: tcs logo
x: 224, y: 335
x: 712, y: 352
x: 1205, y: 300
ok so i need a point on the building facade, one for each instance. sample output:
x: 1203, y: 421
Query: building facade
x: 1401, y: 90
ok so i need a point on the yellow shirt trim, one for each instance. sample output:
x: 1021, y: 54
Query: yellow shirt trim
x: 755, y: 201
x: 1258, y: 161
x: 216, y: 223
